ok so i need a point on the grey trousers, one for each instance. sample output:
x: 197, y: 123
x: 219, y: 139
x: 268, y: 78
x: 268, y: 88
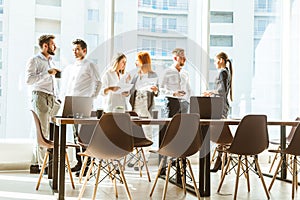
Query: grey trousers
x: 45, y: 106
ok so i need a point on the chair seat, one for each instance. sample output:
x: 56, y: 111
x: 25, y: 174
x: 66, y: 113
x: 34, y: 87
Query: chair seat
x: 277, y: 141
x: 142, y: 142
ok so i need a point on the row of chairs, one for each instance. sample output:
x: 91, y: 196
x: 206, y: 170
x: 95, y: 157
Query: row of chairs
x: 251, y: 138
x: 113, y: 138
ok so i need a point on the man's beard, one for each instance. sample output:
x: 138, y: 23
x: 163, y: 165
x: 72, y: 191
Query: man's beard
x: 51, y: 52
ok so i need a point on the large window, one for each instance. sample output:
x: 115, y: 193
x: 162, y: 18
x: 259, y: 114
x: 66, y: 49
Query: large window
x: 261, y: 39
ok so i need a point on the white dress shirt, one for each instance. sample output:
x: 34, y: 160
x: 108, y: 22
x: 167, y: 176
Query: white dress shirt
x: 38, y: 76
x: 174, y: 80
x: 81, y: 79
x: 111, y: 100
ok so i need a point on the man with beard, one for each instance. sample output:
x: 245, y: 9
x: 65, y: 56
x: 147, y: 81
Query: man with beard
x: 41, y: 76
x: 176, y: 84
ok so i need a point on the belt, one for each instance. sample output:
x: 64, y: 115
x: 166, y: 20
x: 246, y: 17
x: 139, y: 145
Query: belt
x: 42, y: 93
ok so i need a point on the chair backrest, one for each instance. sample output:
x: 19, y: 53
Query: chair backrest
x: 85, y: 133
x: 294, y: 147
x: 291, y: 134
x: 112, y: 137
x: 41, y: 140
x: 220, y: 134
x: 251, y: 136
x: 182, y: 137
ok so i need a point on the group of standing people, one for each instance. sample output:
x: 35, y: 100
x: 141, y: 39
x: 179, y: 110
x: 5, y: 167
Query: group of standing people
x: 82, y: 78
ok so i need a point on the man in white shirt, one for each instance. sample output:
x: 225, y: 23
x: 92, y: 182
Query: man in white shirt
x: 40, y: 75
x: 176, y: 84
x: 82, y: 78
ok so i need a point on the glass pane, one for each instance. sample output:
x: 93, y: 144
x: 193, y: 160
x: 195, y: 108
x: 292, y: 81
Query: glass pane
x: 221, y: 40
x: 93, y: 15
x: 221, y: 17
x: 49, y: 2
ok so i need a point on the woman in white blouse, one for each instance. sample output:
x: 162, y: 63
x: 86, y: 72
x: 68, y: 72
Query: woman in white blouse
x: 111, y: 80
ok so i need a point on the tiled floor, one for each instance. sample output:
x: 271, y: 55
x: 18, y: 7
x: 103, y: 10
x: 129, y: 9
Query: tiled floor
x: 20, y: 185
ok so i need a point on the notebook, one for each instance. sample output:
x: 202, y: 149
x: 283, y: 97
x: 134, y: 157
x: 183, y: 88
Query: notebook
x: 207, y: 107
x: 77, y: 107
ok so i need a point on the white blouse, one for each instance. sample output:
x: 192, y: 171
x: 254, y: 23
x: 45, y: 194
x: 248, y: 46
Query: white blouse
x: 111, y: 100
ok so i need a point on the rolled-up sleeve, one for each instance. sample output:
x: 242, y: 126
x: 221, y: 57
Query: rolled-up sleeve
x: 33, y: 74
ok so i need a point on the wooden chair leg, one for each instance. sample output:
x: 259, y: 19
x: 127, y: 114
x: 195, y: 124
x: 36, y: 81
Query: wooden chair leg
x: 109, y: 169
x: 182, y: 176
x: 97, y: 180
x: 275, y: 174
x: 124, y: 180
x: 296, y: 173
x: 124, y: 162
x: 146, y: 166
x: 213, y: 156
x: 139, y: 161
x: 274, y: 159
x: 237, y: 178
x: 247, y: 174
x: 83, y: 168
x: 69, y: 170
x: 157, y: 175
x: 261, y: 177
x: 193, y: 179
x: 42, y: 170
x: 293, y: 179
x: 115, y: 183
x: 224, y: 174
x: 167, y: 180
x: 86, y: 179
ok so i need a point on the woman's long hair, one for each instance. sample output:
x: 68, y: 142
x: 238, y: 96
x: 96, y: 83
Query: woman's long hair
x: 144, y: 58
x: 116, y: 61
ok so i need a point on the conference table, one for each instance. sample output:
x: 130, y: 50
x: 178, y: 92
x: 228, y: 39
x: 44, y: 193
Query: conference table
x: 59, y: 137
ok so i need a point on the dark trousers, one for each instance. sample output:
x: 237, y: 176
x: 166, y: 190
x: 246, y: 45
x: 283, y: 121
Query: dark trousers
x: 177, y: 106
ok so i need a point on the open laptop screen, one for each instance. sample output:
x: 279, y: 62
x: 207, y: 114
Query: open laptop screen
x: 75, y: 106
x: 207, y: 107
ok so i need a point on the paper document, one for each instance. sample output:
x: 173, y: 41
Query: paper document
x: 124, y: 87
x: 148, y: 83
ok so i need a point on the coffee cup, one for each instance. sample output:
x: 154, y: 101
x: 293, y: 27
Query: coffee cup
x: 99, y: 113
x: 58, y: 74
x: 155, y: 114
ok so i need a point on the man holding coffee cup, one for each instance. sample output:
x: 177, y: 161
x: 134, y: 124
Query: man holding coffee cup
x: 82, y: 78
x: 40, y: 75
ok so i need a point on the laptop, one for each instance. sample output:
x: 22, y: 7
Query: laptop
x: 207, y: 107
x: 77, y: 107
